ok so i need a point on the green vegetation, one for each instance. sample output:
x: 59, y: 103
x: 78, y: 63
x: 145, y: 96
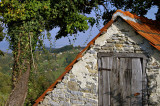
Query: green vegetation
x: 5, y: 87
x: 49, y: 66
x: 5, y: 77
x: 26, y: 21
x: 1, y: 36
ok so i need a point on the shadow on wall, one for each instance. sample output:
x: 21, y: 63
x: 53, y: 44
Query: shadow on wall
x: 152, y: 89
x: 152, y: 53
x: 134, y: 99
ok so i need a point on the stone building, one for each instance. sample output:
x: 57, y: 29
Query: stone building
x: 120, y: 66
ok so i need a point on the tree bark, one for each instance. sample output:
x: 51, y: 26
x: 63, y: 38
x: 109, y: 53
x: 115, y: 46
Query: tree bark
x: 19, y: 93
x: 21, y: 70
x: 16, y: 67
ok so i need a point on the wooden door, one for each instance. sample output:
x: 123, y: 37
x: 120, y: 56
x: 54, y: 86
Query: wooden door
x: 121, y: 81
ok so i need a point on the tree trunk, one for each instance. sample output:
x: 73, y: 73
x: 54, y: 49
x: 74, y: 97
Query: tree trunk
x: 19, y: 93
x: 16, y: 66
x: 21, y: 69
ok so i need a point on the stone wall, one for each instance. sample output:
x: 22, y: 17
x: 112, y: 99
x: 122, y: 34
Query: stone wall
x: 80, y: 86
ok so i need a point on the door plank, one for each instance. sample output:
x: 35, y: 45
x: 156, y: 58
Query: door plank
x: 99, y: 64
x: 106, y: 88
x: 114, y: 82
x: 106, y: 64
x: 100, y: 88
x: 125, y: 82
x: 136, y: 82
x: 144, y: 84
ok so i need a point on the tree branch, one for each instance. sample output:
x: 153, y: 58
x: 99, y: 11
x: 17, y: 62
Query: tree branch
x: 104, y: 6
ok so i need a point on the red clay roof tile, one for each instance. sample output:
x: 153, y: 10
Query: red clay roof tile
x: 148, y: 30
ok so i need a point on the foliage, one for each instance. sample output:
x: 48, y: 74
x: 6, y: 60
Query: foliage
x: 5, y: 77
x: 48, y: 70
x: 1, y: 36
x: 49, y: 67
x: 65, y: 48
x: 27, y: 19
x: 140, y: 7
x: 5, y: 87
x: 6, y: 63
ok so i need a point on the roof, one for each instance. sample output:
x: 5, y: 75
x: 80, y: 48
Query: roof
x: 147, y: 28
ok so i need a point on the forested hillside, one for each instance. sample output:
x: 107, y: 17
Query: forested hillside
x: 48, y: 67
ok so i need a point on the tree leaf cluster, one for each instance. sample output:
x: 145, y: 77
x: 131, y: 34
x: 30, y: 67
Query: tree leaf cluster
x: 1, y: 36
x: 5, y: 77
x: 139, y: 7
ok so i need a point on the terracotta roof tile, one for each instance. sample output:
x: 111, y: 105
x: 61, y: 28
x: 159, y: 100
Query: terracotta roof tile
x: 147, y: 28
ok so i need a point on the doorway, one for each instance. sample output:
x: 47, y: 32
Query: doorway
x: 122, y: 79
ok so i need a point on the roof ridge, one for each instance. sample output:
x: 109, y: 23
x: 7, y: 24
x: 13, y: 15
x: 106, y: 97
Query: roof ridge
x: 137, y: 18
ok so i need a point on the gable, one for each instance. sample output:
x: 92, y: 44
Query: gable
x: 118, y: 35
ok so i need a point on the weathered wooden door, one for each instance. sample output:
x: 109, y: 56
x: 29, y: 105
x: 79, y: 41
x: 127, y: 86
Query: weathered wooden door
x: 122, y: 79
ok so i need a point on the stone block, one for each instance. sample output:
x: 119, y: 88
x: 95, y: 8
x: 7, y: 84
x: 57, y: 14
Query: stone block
x: 93, y: 71
x: 96, y: 47
x: 62, y: 95
x: 109, y: 41
x: 119, y: 45
x: 68, y: 95
x: 72, y: 79
x: 139, y: 51
x: 72, y: 76
x: 65, y: 77
x: 60, y: 86
x: 126, y: 48
x: 64, y: 103
x: 121, y: 42
x: 114, y: 38
x: 82, y: 98
x: 55, y: 95
x: 92, y: 51
x: 45, y: 101
x: 72, y: 85
x: 53, y: 103
x: 77, y: 93
x: 49, y: 92
x: 88, y: 104
x: 77, y: 102
x: 108, y: 48
x: 92, y: 101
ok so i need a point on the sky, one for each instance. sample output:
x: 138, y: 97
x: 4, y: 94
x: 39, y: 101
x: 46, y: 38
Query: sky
x: 82, y: 38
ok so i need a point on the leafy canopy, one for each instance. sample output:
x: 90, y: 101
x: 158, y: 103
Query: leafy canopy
x: 140, y: 7
x: 1, y: 36
x: 47, y: 14
x: 27, y: 19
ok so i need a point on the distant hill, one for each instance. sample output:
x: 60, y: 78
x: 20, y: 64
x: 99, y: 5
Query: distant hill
x: 63, y: 49
x: 49, y: 66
